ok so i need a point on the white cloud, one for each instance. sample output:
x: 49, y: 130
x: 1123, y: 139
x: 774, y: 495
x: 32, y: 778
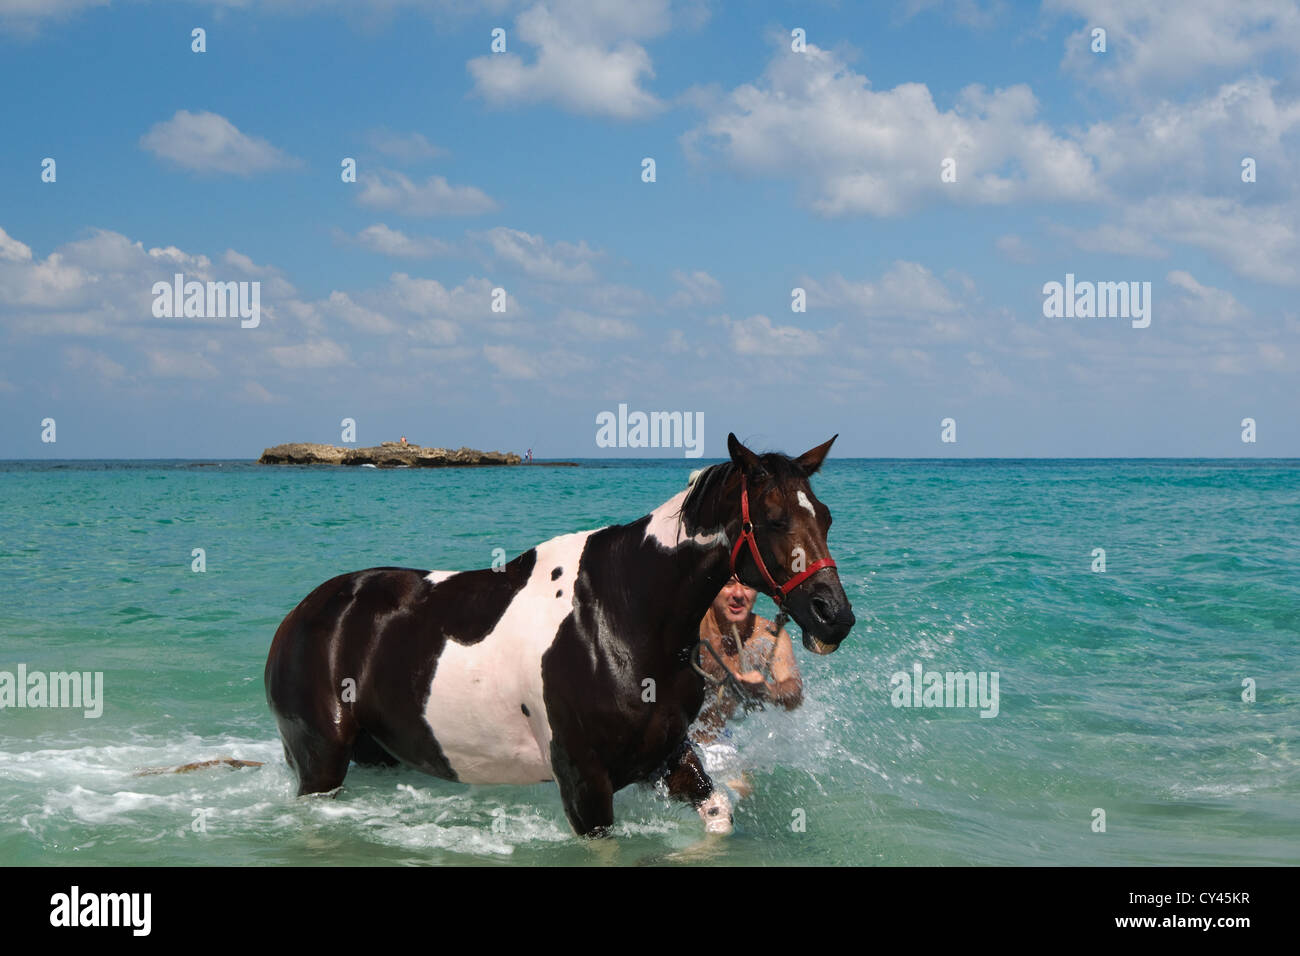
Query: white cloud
x: 47, y: 283
x: 970, y: 13
x: 1015, y: 249
x: 1257, y: 242
x: 604, y: 298
x: 860, y: 151
x: 552, y: 261
x: 319, y: 353
x: 392, y: 242
x: 585, y: 61
x: 423, y: 309
x: 1173, y: 172
x: 757, y: 335
x: 697, y: 288
x: 208, y: 143
x: 551, y: 366
x: 12, y: 250
x: 340, y: 305
x: 1161, y: 43
x: 406, y: 147
x: 256, y: 394
x: 591, y: 327
x: 273, y: 281
x: 914, y: 362
x: 103, y: 274
x: 81, y: 359
x: 169, y: 257
x: 908, y: 288
x: 1271, y: 355
x: 170, y: 363
x: 1197, y: 144
x: 25, y: 16
x: 512, y: 362
x: 438, y: 332
x: 1204, y: 303
x: 103, y: 285
x: 472, y: 299
x: 1115, y: 240
x: 387, y: 189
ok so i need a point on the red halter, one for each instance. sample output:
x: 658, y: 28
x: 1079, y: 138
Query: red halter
x: 779, y: 592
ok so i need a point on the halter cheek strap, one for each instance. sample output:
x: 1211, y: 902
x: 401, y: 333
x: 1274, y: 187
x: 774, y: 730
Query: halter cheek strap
x: 778, y: 591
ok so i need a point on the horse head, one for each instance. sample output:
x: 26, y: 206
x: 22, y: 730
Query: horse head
x: 779, y: 545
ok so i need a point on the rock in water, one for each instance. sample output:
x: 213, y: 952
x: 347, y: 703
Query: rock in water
x: 390, y: 454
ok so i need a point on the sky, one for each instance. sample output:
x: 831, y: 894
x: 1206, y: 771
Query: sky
x: 914, y: 174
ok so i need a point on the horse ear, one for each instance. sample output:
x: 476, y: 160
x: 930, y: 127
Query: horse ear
x: 812, y: 459
x: 745, y: 459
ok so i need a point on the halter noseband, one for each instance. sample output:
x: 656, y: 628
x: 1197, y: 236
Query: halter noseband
x: 779, y: 592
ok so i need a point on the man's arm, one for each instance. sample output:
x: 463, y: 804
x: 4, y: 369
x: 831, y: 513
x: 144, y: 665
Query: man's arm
x: 786, y: 687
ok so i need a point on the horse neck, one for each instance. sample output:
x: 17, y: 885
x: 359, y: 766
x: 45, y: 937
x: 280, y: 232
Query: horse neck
x: 689, y: 571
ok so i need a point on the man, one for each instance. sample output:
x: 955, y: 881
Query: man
x: 762, y: 665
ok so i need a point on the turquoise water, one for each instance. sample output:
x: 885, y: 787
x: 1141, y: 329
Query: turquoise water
x: 1120, y: 691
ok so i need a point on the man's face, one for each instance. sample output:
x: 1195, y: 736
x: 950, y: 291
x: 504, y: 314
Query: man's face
x: 734, y: 602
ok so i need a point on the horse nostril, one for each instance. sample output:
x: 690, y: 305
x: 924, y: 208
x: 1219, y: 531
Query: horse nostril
x: 823, y: 610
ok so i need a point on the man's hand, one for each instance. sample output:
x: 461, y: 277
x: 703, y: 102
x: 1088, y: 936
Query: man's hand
x: 753, y: 683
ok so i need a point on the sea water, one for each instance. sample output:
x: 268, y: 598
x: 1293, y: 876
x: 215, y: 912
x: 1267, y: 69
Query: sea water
x: 1146, y: 714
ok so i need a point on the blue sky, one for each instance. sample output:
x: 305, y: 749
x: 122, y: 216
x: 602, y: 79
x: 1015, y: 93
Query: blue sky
x: 776, y: 169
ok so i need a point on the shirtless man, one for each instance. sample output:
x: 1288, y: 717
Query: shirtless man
x: 763, y: 666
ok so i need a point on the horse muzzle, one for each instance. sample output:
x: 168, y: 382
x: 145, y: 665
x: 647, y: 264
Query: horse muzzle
x: 825, y: 616
x: 818, y: 647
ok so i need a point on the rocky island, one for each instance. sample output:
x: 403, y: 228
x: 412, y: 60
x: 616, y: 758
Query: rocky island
x: 389, y: 454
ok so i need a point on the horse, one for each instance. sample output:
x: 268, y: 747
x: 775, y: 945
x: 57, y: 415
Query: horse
x: 571, y: 663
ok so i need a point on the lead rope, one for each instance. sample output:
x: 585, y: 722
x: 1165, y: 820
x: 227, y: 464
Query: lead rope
x: 778, y: 624
x: 747, y: 701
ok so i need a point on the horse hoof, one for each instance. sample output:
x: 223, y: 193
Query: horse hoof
x: 716, y: 813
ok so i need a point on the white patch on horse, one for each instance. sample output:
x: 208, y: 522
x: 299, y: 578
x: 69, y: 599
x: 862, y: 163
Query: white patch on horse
x: 803, y: 500
x: 473, y: 707
x: 666, y: 530
x: 437, y: 577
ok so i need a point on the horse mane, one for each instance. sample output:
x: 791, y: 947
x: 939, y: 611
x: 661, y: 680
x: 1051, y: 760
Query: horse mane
x: 706, y: 487
x: 704, y: 490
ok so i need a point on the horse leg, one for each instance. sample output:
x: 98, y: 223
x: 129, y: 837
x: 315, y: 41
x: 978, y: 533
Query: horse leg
x: 368, y: 752
x: 318, y: 758
x: 687, y: 780
x: 586, y: 790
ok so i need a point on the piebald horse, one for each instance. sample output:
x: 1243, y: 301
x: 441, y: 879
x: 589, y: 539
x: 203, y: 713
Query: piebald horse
x: 570, y: 663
